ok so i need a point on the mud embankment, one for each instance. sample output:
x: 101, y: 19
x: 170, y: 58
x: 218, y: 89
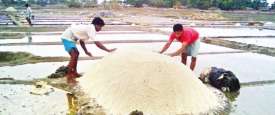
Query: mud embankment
x: 241, y: 46
x: 19, y: 58
x: 11, y: 35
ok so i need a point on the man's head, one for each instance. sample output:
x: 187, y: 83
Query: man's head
x: 27, y: 5
x: 98, y: 23
x: 177, y: 28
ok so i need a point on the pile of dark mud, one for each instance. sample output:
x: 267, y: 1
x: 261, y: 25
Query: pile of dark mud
x: 60, y: 72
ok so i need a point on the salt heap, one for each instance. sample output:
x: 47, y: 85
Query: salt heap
x: 155, y: 84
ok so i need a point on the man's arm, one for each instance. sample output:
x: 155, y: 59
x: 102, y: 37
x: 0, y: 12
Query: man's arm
x: 166, y: 46
x: 179, y: 51
x: 82, y: 43
x: 101, y: 46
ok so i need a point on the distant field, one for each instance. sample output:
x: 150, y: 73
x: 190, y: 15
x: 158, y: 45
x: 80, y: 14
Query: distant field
x: 250, y: 16
x: 32, y: 29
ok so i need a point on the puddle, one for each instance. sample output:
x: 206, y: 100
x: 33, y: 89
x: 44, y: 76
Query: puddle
x: 17, y: 100
x: 37, y: 71
x: 266, y: 42
x: 257, y: 100
x: 213, y: 32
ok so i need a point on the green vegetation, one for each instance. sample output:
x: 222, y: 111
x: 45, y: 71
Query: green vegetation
x: 201, y: 4
x: 31, y: 29
x: 83, y: 3
x: 239, y: 16
x: 69, y: 3
x: 17, y: 58
x: 11, y: 56
x: 136, y: 3
x: 11, y: 35
x: 156, y: 3
x: 204, y: 4
x: 13, y: 2
x: 273, y: 6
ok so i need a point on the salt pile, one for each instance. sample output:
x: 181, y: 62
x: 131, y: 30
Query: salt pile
x: 155, y: 84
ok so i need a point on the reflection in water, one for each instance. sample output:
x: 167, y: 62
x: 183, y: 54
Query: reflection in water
x: 29, y: 35
x: 232, y: 95
x: 72, y: 103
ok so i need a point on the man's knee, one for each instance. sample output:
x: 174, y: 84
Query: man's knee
x: 184, y: 55
x: 74, y: 53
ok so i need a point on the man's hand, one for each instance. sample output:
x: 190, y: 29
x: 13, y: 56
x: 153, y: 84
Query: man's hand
x: 171, y: 54
x: 111, y: 50
x: 89, y: 54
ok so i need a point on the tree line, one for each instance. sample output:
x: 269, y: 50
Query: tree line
x: 200, y: 4
x: 205, y: 4
x: 49, y: 2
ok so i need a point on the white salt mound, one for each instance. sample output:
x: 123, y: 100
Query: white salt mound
x: 149, y: 82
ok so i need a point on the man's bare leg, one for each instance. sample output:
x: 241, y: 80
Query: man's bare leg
x: 184, y: 58
x: 193, y: 63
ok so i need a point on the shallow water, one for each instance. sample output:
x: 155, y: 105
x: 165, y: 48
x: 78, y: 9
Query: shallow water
x: 258, y: 100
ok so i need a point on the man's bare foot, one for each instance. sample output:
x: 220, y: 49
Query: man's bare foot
x: 77, y: 75
x: 71, y: 79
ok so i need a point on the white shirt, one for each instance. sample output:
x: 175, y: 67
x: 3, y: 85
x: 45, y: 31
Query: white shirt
x: 29, y: 12
x: 76, y: 32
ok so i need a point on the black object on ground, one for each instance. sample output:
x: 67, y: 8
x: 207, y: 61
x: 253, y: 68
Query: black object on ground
x: 60, y: 72
x: 221, y: 79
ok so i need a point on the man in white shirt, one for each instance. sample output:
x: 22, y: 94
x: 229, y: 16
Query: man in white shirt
x: 80, y: 33
x: 28, y: 14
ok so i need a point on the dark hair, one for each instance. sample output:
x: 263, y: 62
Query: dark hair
x: 27, y: 5
x: 177, y: 27
x: 98, y: 21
